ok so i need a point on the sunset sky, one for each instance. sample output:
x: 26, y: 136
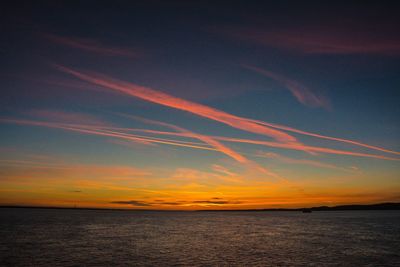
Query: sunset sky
x: 188, y: 105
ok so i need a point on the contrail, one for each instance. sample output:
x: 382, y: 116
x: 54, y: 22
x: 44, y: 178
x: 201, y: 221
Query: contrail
x: 207, y: 139
x: 286, y: 128
x: 249, y: 125
x: 164, y: 99
x: 96, y: 131
x: 269, y: 144
x: 303, y: 94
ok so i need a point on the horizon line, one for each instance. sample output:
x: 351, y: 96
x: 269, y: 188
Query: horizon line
x: 383, y: 205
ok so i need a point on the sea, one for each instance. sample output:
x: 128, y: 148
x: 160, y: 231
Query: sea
x: 75, y: 237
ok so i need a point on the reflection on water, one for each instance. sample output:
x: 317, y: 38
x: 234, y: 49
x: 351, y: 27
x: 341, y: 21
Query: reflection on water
x: 40, y: 237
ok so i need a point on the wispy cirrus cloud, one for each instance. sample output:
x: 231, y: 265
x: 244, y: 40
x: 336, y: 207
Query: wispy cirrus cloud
x: 92, y: 46
x: 122, y: 133
x: 249, y: 125
x: 284, y: 159
x: 131, y: 144
x: 323, y: 40
x: 92, y: 130
x: 194, y: 175
x: 164, y: 99
x: 297, y: 147
x: 223, y: 170
x: 342, y: 140
x: 30, y: 163
x: 78, y: 173
x: 206, y: 139
x: 304, y: 148
x: 218, y: 146
x: 302, y: 93
x: 67, y: 117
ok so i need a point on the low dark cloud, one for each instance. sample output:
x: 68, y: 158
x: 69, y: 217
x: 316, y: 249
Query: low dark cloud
x: 172, y: 203
x: 138, y: 203
x: 133, y: 203
x: 216, y: 202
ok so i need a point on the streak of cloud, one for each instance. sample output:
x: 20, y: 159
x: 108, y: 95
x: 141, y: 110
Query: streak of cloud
x: 214, y: 143
x: 303, y: 94
x: 207, y: 139
x: 67, y: 117
x: 102, y: 131
x: 164, y: 99
x: 95, y: 131
x: 117, y: 172
x: 321, y: 41
x: 249, y: 125
x: 131, y: 144
x: 304, y: 148
x: 223, y: 170
x: 275, y: 144
x: 271, y: 155
x: 290, y: 129
x: 30, y: 163
x: 89, y: 129
x: 92, y: 46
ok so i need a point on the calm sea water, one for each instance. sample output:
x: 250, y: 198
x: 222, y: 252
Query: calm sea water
x: 41, y: 237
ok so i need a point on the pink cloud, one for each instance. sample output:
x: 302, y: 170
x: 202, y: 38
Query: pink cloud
x: 303, y: 94
x: 223, y: 170
x: 290, y: 129
x: 325, y: 40
x: 164, y: 99
x: 271, y: 155
x: 90, y: 129
x: 207, y: 139
x: 86, y: 171
x: 67, y: 117
x: 93, y: 130
x: 120, y: 133
x: 213, y: 143
x: 131, y: 144
x: 92, y: 46
x: 249, y: 125
x: 300, y: 147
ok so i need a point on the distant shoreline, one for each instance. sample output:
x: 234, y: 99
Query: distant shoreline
x: 379, y: 206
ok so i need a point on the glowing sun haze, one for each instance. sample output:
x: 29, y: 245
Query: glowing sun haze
x: 187, y: 105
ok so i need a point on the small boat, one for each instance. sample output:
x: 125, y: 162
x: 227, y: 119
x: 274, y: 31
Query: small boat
x: 306, y: 210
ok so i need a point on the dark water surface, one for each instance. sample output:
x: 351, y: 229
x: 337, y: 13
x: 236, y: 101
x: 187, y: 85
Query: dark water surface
x: 43, y: 237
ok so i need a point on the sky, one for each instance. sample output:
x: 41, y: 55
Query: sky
x: 188, y: 105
